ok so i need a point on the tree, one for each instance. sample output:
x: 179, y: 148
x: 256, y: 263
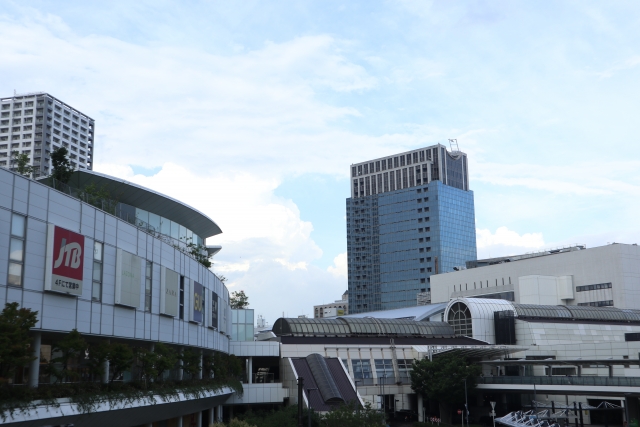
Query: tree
x: 62, y: 169
x: 14, y: 338
x: 147, y: 361
x: 444, y: 377
x: 166, y: 360
x: 21, y: 162
x: 68, y: 348
x: 191, y: 362
x: 120, y: 359
x: 239, y: 300
x: 98, y: 353
x: 222, y: 278
x: 349, y: 416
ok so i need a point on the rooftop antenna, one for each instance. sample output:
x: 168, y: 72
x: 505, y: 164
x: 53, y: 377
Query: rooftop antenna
x: 453, y: 143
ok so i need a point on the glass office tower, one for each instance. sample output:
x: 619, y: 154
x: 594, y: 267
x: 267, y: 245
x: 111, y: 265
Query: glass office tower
x: 410, y: 216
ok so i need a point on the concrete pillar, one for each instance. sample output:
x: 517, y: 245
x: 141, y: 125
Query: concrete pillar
x: 34, y: 366
x: 180, y: 371
x: 230, y: 412
x: 201, y: 360
x: 199, y: 418
x: 219, y: 411
x: 420, y: 408
x: 250, y: 370
x: 212, y: 416
x: 179, y: 424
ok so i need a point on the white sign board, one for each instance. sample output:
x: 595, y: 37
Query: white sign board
x: 169, y: 292
x: 128, y: 279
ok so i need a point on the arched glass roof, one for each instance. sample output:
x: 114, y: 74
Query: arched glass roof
x: 577, y: 312
x: 363, y: 326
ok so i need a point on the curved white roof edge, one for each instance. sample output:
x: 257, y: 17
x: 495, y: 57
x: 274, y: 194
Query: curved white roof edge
x: 202, y: 225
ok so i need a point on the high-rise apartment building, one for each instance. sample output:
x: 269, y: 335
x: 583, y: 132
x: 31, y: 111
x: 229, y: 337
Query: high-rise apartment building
x: 409, y: 216
x: 36, y: 124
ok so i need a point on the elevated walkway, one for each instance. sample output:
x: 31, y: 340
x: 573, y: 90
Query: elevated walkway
x: 589, y: 385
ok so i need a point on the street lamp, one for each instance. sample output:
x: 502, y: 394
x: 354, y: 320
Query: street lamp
x: 310, y: 409
x: 358, y: 406
x: 382, y: 391
x: 466, y: 402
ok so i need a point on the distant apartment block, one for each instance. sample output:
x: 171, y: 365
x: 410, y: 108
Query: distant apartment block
x: 36, y: 124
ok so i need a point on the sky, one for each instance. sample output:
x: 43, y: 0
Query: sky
x: 253, y: 111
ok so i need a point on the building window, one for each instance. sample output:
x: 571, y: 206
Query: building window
x: 593, y: 287
x: 181, y: 297
x: 147, y: 286
x: 460, y: 318
x: 384, y: 371
x: 16, y: 249
x: 608, y: 303
x: 98, y: 257
x: 362, y: 370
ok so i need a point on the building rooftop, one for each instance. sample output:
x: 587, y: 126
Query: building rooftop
x: 416, y: 313
x: 512, y: 258
x: 360, y: 327
x: 149, y: 200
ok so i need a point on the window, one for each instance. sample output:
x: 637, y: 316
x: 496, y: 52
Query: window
x: 384, y: 371
x: 362, y: 370
x: 608, y: 303
x: 147, y: 287
x: 16, y: 249
x: 593, y: 287
x: 96, y: 289
x: 404, y: 368
x: 460, y: 318
x: 182, y: 297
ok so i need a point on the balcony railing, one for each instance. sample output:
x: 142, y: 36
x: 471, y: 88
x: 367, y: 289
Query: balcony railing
x: 579, y: 381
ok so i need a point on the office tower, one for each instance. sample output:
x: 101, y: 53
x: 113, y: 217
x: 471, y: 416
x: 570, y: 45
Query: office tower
x: 36, y: 124
x: 410, y: 215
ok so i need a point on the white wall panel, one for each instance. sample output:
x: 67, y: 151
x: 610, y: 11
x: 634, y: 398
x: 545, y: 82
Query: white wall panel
x: 21, y: 195
x: 64, y: 211
x: 35, y: 252
x: 33, y: 301
x: 6, y: 188
x: 58, y: 312
x: 38, y: 201
x: 124, y: 322
x: 110, y: 230
x: 87, y: 226
x: 84, y: 316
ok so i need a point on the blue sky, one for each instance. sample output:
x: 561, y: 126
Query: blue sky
x: 253, y: 111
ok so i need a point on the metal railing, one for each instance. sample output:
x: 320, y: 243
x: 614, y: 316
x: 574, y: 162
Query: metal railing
x: 580, y: 381
x: 388, y: 381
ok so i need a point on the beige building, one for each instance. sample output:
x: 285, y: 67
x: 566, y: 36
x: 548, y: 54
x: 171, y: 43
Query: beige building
x: 338, y: 308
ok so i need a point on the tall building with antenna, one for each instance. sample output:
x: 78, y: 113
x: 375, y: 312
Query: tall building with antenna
x: 410, y: 215
x: 36, y: 124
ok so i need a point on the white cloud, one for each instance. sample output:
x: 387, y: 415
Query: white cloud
x: 264, y: 240
x: 506, y: 242
x: 340, y: 266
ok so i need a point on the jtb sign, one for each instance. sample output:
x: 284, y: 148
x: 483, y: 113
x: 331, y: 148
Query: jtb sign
x: 198, y: 302
x: 65, y: 261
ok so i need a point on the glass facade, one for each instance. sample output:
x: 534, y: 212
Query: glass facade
x: 397, y: 240
x: 242, y: 328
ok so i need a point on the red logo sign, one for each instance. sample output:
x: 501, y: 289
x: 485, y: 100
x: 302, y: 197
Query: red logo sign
x: 68, y: 248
